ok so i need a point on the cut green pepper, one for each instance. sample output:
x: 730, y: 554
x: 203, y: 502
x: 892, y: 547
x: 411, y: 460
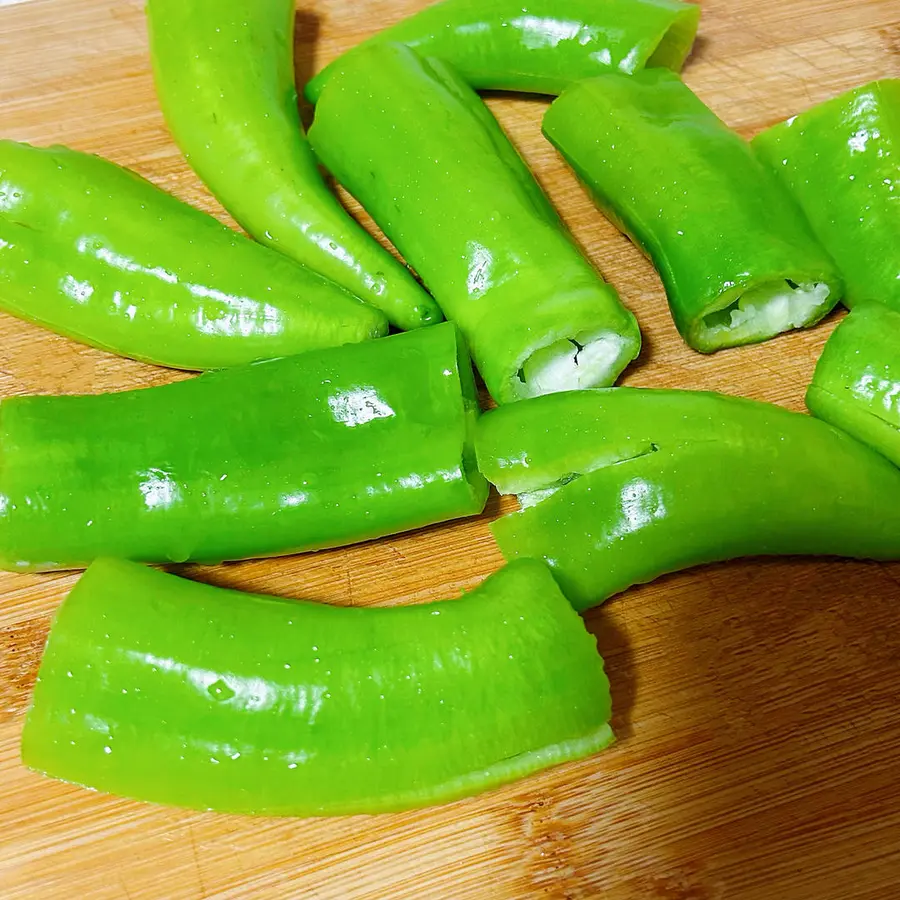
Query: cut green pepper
x: 856, y: 386
x: 737, y: 259
x: 260, y: 705
x: 542, y: 46
x: 620, y: 486
x: 225, y: 79
x: 309, y: 451
x: 436, y: 171
x: 96, y: 253
x: 839, y: 160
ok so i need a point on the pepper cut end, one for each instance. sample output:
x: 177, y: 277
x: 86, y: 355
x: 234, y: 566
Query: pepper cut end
x: 677, y: 40
x: 761, y: 312
x: 478, y: 484
x: 583, y: 361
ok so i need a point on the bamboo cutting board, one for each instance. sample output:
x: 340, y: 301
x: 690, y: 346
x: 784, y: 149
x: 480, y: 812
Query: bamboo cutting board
x: 757, y: 704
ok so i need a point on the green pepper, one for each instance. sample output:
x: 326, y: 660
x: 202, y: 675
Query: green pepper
x: 309, y: 451
x: 737, y: 259
x: 94, y: 252
x: 839, y: 161
x: 620, y: 486
x: 542, y: 46
x: 225, y: 79
x: 261, y: 705
x: 856, y: 386
x: 436, y: 171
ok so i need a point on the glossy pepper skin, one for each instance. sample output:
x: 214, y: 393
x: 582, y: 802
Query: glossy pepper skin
x: 261, y: 705
x: 543, y: 46
x: 856, y: 386
x: 225, y: 79
x: 841, y: 163
x: 94, y: 252
x: 735, y: 254
x: 309, y: 451
x: 436, y: 171
x: 621, y: 486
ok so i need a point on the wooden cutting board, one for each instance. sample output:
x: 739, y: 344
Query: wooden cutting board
x: 757, y: 704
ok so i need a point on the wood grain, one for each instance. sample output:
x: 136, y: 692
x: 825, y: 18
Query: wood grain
x: 757, y: 704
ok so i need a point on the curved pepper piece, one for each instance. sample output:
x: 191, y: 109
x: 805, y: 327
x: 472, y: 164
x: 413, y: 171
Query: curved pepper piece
x: 436, y: 171
x: 225, y: 79
x: 624, y: 485
x: 841, y: 162
x: 298, y: 708
x: 94, y: 252
x: 542, y: 46
x: 737, y: 259
x: 310, y: 451
x: 856, y: 386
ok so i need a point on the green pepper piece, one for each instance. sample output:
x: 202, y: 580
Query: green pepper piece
x: 542, y: 46
x: 299, y: 708
x: 856, y: 386
x: 737, y: 259
x: 224, y: 75
x: 620, y: 486
x: 299, y: 453
x: 839, y: 160
x: 94, y: 252
x: 436, y: 171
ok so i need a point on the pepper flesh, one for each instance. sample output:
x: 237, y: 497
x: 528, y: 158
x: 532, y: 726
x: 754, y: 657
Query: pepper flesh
x: 94, y: 252
x: 260, y: 705
x: 839, y: 160
x: 309, y: 451
x: 542, y: 46
x: 621, y: 486
x: 225, y: 79
x: 436, y: 171
x: 856, y: 386
x: 737, y: 259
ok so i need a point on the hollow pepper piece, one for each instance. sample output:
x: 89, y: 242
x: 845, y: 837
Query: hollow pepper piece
x: 841, y: 162
x: 94, y: 252
x: 621, y: 486
x: 436, y: 171
x: 309, y: 451
x: 737, y: 258
x: 225, y: 79
x: 297, y: 708
x: 542, y: 46
x: 856, y: 386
